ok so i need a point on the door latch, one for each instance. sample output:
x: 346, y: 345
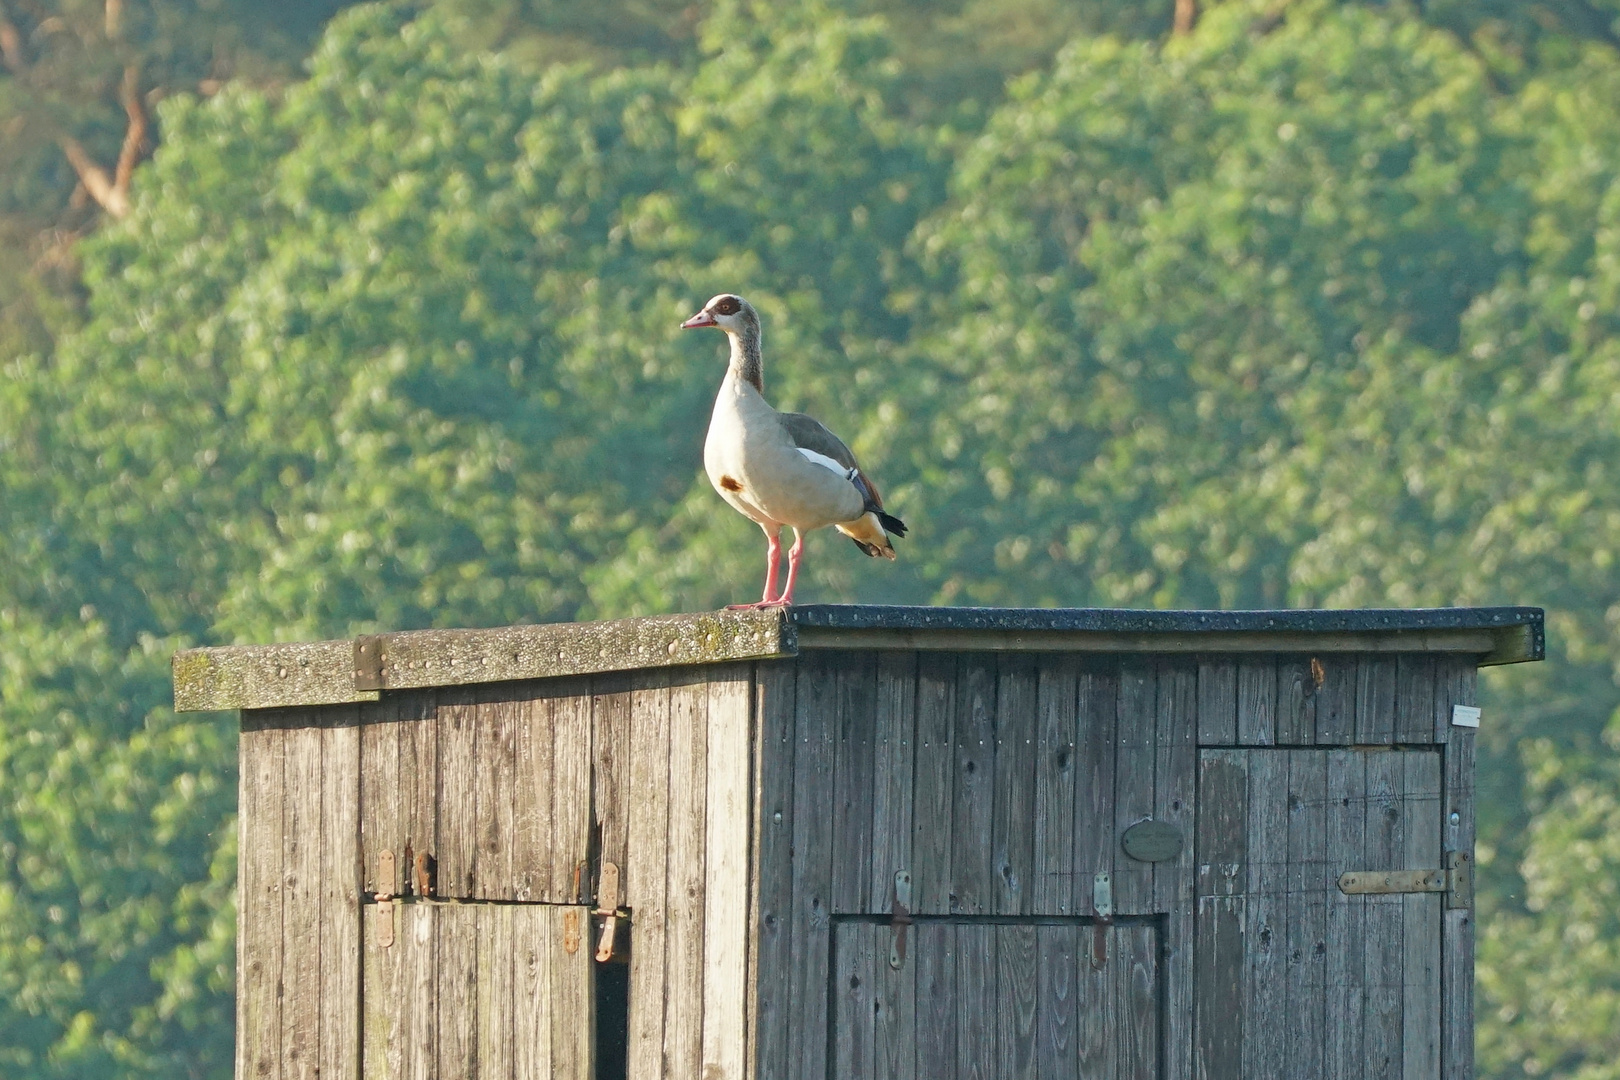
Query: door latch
x: 608, y: 910
x: 1455, y: 879
x: 900, y: 918
x: 1102, y: 901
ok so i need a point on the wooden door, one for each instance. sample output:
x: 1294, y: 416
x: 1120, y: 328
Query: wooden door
x: 996, y: 1000
x: 1296, y: 979
x: 478, y: 991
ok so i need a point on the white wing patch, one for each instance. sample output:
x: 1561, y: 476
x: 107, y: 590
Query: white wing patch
x: 827, y: 463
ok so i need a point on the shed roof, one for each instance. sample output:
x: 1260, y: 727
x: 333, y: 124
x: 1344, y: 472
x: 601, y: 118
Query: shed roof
x: 339, y: 672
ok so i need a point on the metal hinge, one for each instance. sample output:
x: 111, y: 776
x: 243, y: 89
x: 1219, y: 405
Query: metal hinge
x: 1102, y: 902
x: 368, y: 662
x: 900, y: 918
x: 608, y: 910
x: 1455, y: 879
x: 385, y: 899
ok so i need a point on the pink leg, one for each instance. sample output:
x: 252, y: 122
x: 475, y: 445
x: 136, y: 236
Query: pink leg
x: 795, y: 554
x: 773, y: 561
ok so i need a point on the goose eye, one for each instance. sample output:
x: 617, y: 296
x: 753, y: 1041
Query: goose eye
x: 728, y: 306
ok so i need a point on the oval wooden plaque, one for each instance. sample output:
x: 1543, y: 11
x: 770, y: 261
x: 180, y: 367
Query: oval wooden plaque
x: 1152, y: 841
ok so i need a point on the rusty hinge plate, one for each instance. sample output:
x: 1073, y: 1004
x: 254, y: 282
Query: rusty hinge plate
x: 607, y: 909
x: 1460, y: 867
x: 570, y: 930
x: 368, y: 662
x: 900, y: 918
x: 385, y: 922
x: 1375, y: 882
x: 1102, y: 902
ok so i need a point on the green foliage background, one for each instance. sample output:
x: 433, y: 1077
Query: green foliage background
x: 1315, y: 305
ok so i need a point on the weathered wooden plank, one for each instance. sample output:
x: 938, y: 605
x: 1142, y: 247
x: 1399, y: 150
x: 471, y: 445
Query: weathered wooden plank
x: 1383, y: 978
x: 386, y: 1004
x: 1296, y: 701
x: 571, y: 753
x: 1217, y: 701
x: 1456, y: 687
x: 573, y: 1001
x: 1174, y: 799
x: 1257, y: 702
x: 1052, y: 873
x: 1012, y: 828
x: 340, y: 885
x: 494, y: 825
x: 854, y: 1033
x: 1307, y: 915
x: 935, y: 765
x: 973, y: 786
x: 419, y: 782
x: 1017, y: 987
x: 537, y: 939
x: 893, y: 774
x: 1097, y: 1037
x: 1058, y: 959
x: 457, y: 846
x: 1136, y: 971
x: 261, y: 801
x: 1136, y: 750
x: 301, y: 901
x: 685, y: 890
x: 418, y: 941
x: 937, y: 1027
x: 380, y: 794
x: 1336, y: 699
x: 1220, y: 1019
x: 645, y: 872
x: 1375, y: 700
x: 1414, y: 699
x: 1095, y: 841
x: 1223, y: 823
x: 815, y: 730
x: 531, y: 802
x: 771, y: 959
x: 495, y: 1019
x: 975, y: 992
x: 895, y: 1011
x: 1265, y: 915
x: 457, y: 961
x: 1344, y: 964
x: 856, y: 704
x: 1420, y: 929
x: 610, y: 769
x: 726, y: 866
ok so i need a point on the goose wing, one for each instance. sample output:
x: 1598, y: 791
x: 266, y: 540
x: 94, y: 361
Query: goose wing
x: 811, y: 436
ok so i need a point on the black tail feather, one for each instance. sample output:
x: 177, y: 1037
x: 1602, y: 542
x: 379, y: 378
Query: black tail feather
x: 891, y: 524
x: 869, y: 549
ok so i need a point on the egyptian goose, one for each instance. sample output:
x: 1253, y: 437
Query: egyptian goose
x: 779, y: 468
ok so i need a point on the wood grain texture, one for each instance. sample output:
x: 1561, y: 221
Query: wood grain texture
x: 261, y: 800
x: 1057, y: 959
x: 976, y: 993
x: 571, y: 754
x: 1375, y: 700
x: 1016, y: 996
x: 419, y: 779
x: 1257, y: 702
x: 937, y: 1027
x: 854, y: 1032
x: 1095, y: 843
x: 1344, y: 964
x: 1217, y: 701
x: 855, y: 705
x: 771, y: 962
x: 496, y: 993
x: 456, y: 963
x: 300, y: 987
x: 726, y: 913
x: 1420, y: 922
x: 815, y: 720
x: 386, y: 1005
x: 419, y: 971
x: 1220, y: 1014
x: 1136, y: 751
x: 573, y: 1001
x: 687, y: 873
x: 895, y: 1012
x: 1012, y: 840
x: 456, y: 801
x: 493, y: 795
x: 1052, y: 884
x: 1383, y: 977
x: 340, y: 886
x: 380, y: 795
x: 1296, y: 701
x: 935, y: 771
x: 1174, y: 882
x: 1336, y: 700
x: 610, y: 767
x: 1136, y: 973
x: 1265, y: 917
x: 1097, y: 1042
x: 535, y: 942
x: 1414, y: 699
x: 531, y: 802
x: 1456, y: 686
x: 973, y: 791
x: 1306, y: 919
x: 646, y: 869
x: 894, y: 752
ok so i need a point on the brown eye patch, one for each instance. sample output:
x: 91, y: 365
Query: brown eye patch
x: 729, y: 305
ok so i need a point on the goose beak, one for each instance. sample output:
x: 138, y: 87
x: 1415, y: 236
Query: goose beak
x: 702, y: 318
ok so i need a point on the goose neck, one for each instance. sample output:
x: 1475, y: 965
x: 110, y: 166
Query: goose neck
x: 745, y: 361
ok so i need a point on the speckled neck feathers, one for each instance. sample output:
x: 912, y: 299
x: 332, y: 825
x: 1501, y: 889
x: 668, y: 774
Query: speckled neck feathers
x: 745, y: 362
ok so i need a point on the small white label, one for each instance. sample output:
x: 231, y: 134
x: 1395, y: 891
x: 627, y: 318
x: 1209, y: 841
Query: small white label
x: 1465, y: 715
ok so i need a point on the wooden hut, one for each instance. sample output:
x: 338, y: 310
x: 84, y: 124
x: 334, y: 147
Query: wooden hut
x: 838, y: 843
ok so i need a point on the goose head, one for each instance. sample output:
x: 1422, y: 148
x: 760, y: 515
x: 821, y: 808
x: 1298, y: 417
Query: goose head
x: 728, y: 312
